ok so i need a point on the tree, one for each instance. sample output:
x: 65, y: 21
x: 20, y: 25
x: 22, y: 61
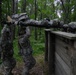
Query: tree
x: 35, y: 19
x: 0, y: 11
x: 14, y: 6
x: 67, y: 7
x: 14, y: 11
x: 24, y: 6
x: 73, y: 14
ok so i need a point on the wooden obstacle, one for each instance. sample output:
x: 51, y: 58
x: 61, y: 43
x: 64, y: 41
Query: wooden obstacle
x: 60, y: 52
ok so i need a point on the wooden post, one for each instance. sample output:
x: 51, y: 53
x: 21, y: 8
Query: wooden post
x: 46, y: 45
x: 73, y: 59
x: 51, y: 51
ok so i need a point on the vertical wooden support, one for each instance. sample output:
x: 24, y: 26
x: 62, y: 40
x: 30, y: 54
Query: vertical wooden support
x: 46, y: 45
x: 73, y: 61
x: 51, y: 52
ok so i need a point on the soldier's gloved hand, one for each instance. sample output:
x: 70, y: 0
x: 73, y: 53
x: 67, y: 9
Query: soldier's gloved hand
x: 22, y: 23
x: 45, y: 23
x: 56, y: 23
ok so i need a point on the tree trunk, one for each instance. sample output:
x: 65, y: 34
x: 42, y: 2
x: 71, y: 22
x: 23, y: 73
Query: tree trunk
x: 74, y: 16
x: 23, y: 6
x: 14, y: 11
x: 0, y: 11
x: 35, y: 19
x: 66, y: 11
x: 14, y: 6
x: 0, y: 14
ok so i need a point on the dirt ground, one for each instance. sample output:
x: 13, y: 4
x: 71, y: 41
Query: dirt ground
x: 39, y: 69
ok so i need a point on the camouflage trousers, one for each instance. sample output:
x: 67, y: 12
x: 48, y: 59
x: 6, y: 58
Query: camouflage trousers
x: 7, y: 66
x: 29, y: 63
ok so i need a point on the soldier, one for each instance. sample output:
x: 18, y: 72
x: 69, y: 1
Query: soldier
x: 24, y: 43
x: 21, y: 32
x: 26, y: 49
x: 8, y: 62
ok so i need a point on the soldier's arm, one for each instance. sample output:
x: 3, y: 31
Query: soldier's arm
x: 27, y: 34
x: 43, y: 23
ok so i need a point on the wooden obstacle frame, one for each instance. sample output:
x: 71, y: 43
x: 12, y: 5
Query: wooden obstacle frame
x: 60, y: 52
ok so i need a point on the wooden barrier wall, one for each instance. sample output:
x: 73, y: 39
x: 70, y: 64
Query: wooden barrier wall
x: 60, y: 52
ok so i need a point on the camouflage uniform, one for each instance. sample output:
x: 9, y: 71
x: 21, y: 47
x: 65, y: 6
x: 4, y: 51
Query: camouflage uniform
x: 0, y: 50
x: 26, y: 50
x: 21, y: 32
x: 8, y: 62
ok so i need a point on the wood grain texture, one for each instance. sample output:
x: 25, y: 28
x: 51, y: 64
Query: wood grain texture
x: 65, y: 69
x: 64, y: 34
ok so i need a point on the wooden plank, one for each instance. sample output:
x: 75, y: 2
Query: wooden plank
x: 65, y: 68
x: 64, y: 46
x: 64, y: 34
x: 61, y: 42
x: 75, y: 44
x: 57, y: 69
x: 63, y: 55
x: 65, y: 40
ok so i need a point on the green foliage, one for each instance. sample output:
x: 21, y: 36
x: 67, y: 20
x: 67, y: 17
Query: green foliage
x: 16, y: 50
x: 48, y: 8
x: 37, y: 45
